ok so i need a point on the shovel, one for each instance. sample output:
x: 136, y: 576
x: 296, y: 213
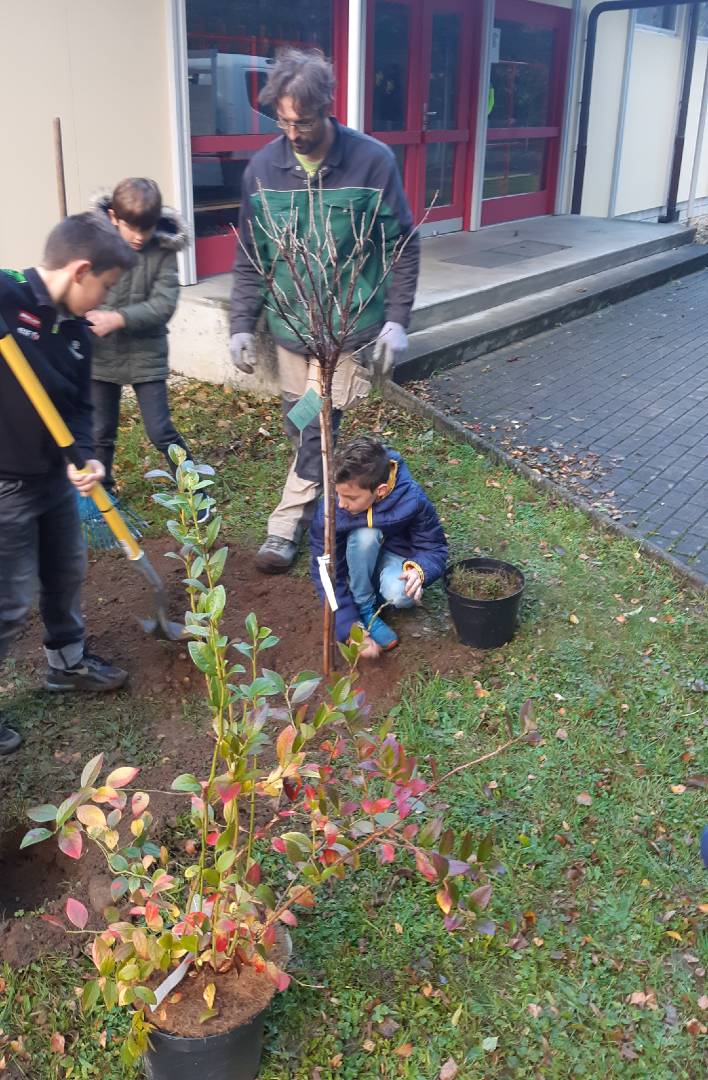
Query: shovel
x: 159, y: 624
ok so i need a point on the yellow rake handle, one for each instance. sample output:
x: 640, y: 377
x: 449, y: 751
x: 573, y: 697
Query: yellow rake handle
x: 46, y: 409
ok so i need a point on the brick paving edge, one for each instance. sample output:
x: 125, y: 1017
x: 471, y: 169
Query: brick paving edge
x: 408, y: 401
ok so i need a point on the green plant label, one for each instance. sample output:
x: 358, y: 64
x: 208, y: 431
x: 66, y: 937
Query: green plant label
x: 305, y: 410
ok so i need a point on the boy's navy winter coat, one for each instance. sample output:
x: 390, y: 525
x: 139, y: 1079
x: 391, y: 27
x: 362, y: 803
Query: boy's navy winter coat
x: 58, y: 348
x: 410, y: 526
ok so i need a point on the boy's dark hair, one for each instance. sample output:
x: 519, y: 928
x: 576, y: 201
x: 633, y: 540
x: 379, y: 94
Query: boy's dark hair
x: 364, y: 461
x: 137, y: 201
x: 87, y: 236
x: 306, y: 77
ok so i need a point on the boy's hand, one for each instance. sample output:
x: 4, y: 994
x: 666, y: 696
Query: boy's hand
x: 86, y: 479
x: 370, y: 650
x: 105, y: 322
x: 413, y: 587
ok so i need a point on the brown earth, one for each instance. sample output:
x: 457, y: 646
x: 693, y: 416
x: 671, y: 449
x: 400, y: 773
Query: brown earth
x: 162, y: 673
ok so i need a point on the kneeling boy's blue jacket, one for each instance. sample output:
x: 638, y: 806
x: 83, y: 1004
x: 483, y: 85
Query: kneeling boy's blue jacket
x: 410, y: 526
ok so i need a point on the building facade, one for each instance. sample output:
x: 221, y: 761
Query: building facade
x: 478, y: 100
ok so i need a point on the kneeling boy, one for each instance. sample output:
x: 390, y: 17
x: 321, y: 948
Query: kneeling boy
x: 390, y: 542
x: 40, y: 531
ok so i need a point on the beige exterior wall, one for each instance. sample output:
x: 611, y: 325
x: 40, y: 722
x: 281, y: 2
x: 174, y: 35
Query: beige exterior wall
x: 604, y: 110
x: 650, y: 123
x: 102, y: 67
x: 694, y: 108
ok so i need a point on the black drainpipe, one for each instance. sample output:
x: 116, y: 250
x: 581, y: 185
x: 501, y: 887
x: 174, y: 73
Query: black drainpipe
x: 581, y: 152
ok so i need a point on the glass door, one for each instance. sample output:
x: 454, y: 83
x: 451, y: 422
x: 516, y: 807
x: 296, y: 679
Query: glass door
x: 419, y: 78
x: 526, y: 94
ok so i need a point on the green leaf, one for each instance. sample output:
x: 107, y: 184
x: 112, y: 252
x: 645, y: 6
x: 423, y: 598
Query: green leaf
x: 118, y: 863
x: 203, y: 656
x: 485, y: 847
x: 268, y: 643
x: 466, y: 846
x: 304, y: 690
x: 45, y: 812
x: 90, y: 995
x: 252, y: 627
x: 216, y: 601
x: 275, y: 679
x: 34, y: 836
x: 187, y: 782
x: 216, y: 563
x: 225, y: 861
x: 144, y: 993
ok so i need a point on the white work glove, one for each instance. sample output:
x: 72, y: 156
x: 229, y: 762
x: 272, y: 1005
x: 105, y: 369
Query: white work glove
x: 390, y: 346
x: 243, y: 352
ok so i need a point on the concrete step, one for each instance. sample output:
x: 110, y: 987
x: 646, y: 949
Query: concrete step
x: 431, y: 312
x: 481, y: 331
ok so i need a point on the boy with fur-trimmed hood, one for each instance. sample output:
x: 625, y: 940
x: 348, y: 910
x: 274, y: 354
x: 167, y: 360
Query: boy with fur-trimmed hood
x: 131, y: 326
x: 389, y: 540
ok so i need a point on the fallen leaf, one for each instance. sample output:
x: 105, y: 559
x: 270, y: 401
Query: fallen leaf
x: 695, y: 1027
x: 703, y: 1002
x: 449, y: 1070
x: 368, y: 1045
x: 388, y: 1027
x: 490, y: 1043
x: 535, y: 1010
x: 562, y: 734
x: 56, y: 1043
x: 404, y: 1050
x: 573, y: 619
x: 209, y: 994
x: 678, y: 789
x: 583, y: 799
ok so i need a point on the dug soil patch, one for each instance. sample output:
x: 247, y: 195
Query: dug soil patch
x: 167, y: 690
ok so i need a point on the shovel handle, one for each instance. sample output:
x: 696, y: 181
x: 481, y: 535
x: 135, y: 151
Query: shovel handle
x: 46, y: 409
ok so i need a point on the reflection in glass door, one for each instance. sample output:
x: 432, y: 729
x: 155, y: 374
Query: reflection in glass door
x: 526, y: 93
x: 418, y: 100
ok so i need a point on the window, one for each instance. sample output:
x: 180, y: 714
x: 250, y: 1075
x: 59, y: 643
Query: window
x: 231, y: 46
x: 703, y: 21
x: 661, y: 17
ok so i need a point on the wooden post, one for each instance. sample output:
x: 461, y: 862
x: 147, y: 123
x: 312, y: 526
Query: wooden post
x: 59, y: 165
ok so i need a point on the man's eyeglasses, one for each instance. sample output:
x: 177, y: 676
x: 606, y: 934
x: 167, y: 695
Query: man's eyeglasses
x: 300, y: 127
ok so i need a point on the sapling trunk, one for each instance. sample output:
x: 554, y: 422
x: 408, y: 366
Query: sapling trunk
x: 330, y: 542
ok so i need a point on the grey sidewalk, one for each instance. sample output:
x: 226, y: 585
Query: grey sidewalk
x: 613, y: 407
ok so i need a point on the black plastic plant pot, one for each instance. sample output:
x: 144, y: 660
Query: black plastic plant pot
x: 235, y: 1055
x: 485, y: 624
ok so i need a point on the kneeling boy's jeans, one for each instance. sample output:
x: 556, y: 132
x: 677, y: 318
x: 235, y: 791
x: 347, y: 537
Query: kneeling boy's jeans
x: 41, y: 541
x: 374, y: 572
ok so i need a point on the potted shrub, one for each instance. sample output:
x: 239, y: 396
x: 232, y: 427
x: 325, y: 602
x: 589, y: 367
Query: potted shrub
x: 484, y: 597
x: 196, y: 952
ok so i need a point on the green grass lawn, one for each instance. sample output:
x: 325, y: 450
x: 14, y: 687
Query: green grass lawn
x: 597, y: 967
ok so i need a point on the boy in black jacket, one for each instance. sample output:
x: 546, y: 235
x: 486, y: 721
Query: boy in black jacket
x: 40, y: 532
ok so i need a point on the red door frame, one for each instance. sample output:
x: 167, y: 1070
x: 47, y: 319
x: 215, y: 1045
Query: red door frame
x: 415, y: 137
x: 216, y: 254
x: 537, y: 203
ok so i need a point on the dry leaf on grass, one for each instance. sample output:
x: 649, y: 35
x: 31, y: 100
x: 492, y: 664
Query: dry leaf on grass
x: 449, y: 1070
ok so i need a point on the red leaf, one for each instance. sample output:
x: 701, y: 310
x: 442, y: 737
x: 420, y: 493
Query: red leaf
x: 278, y: 845
x: 288, y: 918
x: 53, y: 919
x: 387, y: 853
x: 375, y: 806
x: 292, y: 786
x: 70, y: 841
x: 480, y: 898
x: 76, y: 913
x: 425, y: 867
x: 253, y: 877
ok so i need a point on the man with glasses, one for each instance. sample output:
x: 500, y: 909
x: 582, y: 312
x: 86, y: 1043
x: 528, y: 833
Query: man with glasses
x: 315, y: 149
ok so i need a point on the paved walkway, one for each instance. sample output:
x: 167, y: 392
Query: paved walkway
x: 613, y: 406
